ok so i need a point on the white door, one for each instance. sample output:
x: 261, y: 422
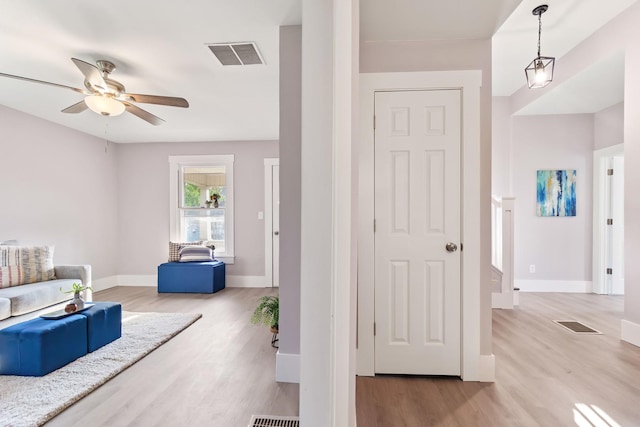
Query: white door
x: 617, y: 228
x: 417, y: 214
x: 275, y: 219
x: 272, y: 221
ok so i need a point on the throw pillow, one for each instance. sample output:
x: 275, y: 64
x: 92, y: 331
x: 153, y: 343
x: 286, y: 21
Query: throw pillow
x: 37, y: 263
x: 195, y: 253
x: 9, y: 256
x: 26, y: 264
x: 174, y: 249
x: 11, y: 276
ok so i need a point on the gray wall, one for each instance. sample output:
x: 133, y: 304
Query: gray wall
x: 290, y: 184
x: 107, y: 204
x: 143, y: 182
x: 445, y: 56
x: 559, y: 247
x: 58, y: 187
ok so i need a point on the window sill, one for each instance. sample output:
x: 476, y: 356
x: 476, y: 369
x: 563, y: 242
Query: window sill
x: 225, y: 259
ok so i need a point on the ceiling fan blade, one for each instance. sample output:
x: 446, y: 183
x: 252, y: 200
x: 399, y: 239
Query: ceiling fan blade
x: 27, y: 79
x: 76, y: 108
x: 159, y: 100
x: 143, y: 114
x: 91, y: 73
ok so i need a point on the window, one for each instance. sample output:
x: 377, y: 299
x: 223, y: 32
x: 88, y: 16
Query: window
x: 202, y: 201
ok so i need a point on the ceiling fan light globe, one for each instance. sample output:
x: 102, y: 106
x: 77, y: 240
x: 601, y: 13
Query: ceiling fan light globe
x: 104, y: 105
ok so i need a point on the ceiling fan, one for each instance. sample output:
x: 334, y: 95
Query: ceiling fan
x: 108, y: 97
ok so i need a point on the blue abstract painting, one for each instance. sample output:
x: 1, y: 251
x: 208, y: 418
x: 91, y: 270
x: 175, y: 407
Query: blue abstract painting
x: 556, y: 193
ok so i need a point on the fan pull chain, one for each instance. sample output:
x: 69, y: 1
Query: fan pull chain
x: 106, y: 140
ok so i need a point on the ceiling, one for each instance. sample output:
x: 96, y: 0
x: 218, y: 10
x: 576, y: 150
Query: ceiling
x: 158, y: 50
x: 383, y: 20
x: 163, y: 51
x: 564, y: 26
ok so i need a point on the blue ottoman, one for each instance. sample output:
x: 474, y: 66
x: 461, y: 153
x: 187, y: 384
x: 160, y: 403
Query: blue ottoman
x: 39, y: 346
x: 191, y: 277
x: 104, y: 324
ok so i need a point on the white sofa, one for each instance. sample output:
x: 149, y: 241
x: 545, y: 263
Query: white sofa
x: 19, y: 303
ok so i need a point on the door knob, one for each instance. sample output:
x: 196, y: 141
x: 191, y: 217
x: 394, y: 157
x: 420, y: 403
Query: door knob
x: 275, y: 233
x: 451, y: 247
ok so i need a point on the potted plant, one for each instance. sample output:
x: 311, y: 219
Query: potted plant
x: 267, y: 313
x: 215, y: 197
x: 77, y: 303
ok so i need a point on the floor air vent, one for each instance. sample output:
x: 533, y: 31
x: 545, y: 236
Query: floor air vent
x: 274, y: 421
x: 577, y: 327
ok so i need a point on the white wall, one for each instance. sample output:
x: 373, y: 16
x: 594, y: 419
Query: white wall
x: 143, y: 181
x: 327, y: 341
x: 58, y: 187
x: 631, y: 323
x: 394, y: 56
x: 501, y: 147
x: 559, y: 247
x: 608, y: 127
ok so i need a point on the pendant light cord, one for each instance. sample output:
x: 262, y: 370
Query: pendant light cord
x: 539, y: 31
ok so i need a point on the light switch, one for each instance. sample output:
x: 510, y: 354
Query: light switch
x: 260, y: 215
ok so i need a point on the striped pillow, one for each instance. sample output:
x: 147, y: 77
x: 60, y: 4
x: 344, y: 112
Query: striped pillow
x: 11, y: 276
x: 195, y: 253
x: 174, y: 249
x: 25, y: 264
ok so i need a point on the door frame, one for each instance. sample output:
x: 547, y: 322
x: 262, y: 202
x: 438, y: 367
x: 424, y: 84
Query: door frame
x: 474, y: 366
x: 268, y: 220
x: 600, y: 195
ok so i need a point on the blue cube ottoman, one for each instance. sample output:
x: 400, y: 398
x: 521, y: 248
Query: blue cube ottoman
x: 191, y: 277
x: 104, y: 324
x: 39, y: 346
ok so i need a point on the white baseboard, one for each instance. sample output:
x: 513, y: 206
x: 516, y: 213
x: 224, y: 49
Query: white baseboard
x: 630, y: 332
x: 571, y: 286
x: 287, y: 368
x: 502, y: 300
x: 245, y: 281
x: 152, y: 280
x: 104, y: 283
x: 138, y: 280
x: 487, y: 368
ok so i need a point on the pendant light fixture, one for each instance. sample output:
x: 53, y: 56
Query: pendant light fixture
x: 540, y: 71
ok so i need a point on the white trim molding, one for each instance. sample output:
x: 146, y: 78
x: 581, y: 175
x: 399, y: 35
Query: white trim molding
x: 630, y: 332
x: 269, y: 163
x: 104, y: 283
x: 469, y: 82
x: 245, y: 281
x: 176, y: 165
x: 487, y: 368
x: 570, y: 286
x: 231, y: 281
x: 287, y: 368
x: 600, y: 194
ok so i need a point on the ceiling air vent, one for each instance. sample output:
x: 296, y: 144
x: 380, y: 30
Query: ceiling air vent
x: 236, y: 53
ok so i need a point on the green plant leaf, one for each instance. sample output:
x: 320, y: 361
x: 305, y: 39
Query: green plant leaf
x: 267, y: 312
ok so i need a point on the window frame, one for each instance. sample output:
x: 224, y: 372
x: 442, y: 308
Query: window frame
x: 176, y: 189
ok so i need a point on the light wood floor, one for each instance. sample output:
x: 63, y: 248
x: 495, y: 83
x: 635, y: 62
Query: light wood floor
x: 220, y: 370
x: 545, y: 376
x: 217, y: 372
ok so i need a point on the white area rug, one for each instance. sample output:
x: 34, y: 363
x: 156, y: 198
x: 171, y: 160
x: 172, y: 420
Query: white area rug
x: 32, y: 401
